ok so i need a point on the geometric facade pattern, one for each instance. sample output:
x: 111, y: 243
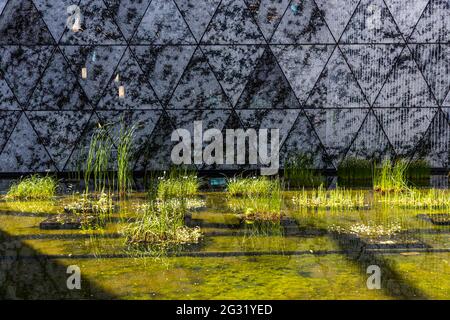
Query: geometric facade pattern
x: 344, y: 78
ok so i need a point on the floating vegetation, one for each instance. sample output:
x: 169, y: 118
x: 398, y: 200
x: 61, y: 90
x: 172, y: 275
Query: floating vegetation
x: 355, y: 172
x: 257, y: 209
x: 33, y: 187
x: 253, y: 187
x: 368, y: 230
x: 339, y: 198
x: 391, y: 177
x: 417, y: 199
x: 161, y: 228
x: 178, y: 183
x: 299, y: 172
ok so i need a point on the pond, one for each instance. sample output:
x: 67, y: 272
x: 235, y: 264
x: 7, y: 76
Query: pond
x: 308, y: 254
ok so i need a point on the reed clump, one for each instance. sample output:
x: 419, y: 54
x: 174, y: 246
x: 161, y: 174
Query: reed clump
x: 391, y: 177
x: 125, y: 154
x: 34, y: 187
x: 160, y: 227
x: 178, y: 183
x: 337, y: 199
x: 253, y: 187
x: 418, y: 199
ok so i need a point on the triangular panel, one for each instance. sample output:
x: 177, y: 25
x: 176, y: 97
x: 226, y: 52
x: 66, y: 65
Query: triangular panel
x: 55, y: 14
x: 406, y: 14
x: 304, y: 24
x: 337, y: 15
x: 8, y: 120
x: 371, y: 65
x: 7, y: 99
x: 198, y: 88
x: 233, y: 24
x: 302, y: 65
x: 434, y: 25
x: 233, y: 66
x: 128, y: 88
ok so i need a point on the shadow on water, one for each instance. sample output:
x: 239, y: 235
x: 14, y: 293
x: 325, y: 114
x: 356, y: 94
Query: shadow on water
x: 392, y: 283
x: 38, y: 277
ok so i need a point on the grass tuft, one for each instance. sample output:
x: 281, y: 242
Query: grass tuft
x: 33, y: 187
x: 253, y: 187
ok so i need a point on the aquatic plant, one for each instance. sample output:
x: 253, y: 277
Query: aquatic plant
x: 257, y: 208
x: 178, y: 183
x: 417, y: 199
x: 124, y: 157
x: 355, y: 172
x: 253, y: 187
x: 299, y: 172
x: 368, y: 230
x: 391, y: 177
x: 33, y: 187
x: 98, y: 158
x: 321, y: 198
x: 160, y: 227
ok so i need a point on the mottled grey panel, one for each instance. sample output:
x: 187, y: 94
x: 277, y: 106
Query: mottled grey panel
x: 233, y: 24
x: 447, y: 100
x: 2, y: 5
x: 434, y: 61
x: 164, y: 66
x: 8, y: 120
x: 267, y: 14
x: 371, y: 142
x: 406, y: 13
x: 128, y: 14
x: 100, y: 62
x: 138, y: 91
x: 371, y: 65
x: 197, y: 14
x: 336, y: 87
x: 336, y: 14
x: 435, y: 147
x: 198, y: 88
x: 156, y: 153
x: 336, y: 128
x: 143, y: 120
x: 405, y: 87
x: 7, y: 99
x: 59, y: 131
x: 304, y: 24
x: 267, y: 87
x: 21, y: 23
x: 163, y: 24
x: 23, y: 152
x: 98, y: 26
x: 54, y: 14
x: 372, y: 23
x: 233, y: 66
x: 58, y: 89
x: 405, y: 126
x: 302, y: 65
x: 302, y: 139
x: 22, y: 66
x: 434, y: 26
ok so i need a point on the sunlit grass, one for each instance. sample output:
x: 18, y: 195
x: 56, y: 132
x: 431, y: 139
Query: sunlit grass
x: 253, y: 187
x: 391, y: 177
x: 33, y: 187
x: 124, y: 157
x: 321, y: 198
x: 177, y: 185
x: 417, y: 199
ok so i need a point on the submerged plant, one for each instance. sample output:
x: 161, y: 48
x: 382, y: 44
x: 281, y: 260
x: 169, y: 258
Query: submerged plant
x: 253, y: 187
x: 299, y: 172
x: 33, y: 187
x: 321, y: 198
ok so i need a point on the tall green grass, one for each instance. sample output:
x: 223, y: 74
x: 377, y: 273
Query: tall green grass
x: 299, y: 172
x: 417, y: 199
x: 98, y: 160
x: 124, y: 157
x: 177, y: 183
x: 391, y: 177
x: 253, y: 187
x: 33, y: 187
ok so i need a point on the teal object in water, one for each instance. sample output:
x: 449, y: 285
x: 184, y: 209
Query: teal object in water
x: 217, y: 182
